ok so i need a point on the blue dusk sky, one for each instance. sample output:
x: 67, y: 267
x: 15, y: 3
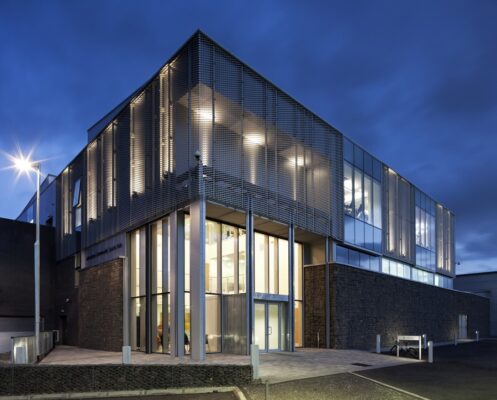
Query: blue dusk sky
x: 414, y: 82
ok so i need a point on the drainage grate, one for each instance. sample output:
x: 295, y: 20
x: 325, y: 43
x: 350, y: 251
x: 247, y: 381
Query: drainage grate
x: 362, y: 365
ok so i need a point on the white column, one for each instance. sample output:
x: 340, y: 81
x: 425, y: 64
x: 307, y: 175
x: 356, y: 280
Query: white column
x: 177, y: 265
x: 126, y: 297
x: 197, y: 279
x: 249, y: 277
x: 291, y: 295
x: 327, y: 254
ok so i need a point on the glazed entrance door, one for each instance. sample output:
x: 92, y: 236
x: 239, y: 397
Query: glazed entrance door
x: 269, y: 330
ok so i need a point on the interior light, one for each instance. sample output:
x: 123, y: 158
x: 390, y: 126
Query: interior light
x: 299, y: 161
x: 205, y: 114
x: 255, y: 138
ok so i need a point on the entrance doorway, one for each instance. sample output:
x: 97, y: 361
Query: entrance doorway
x: 270, y: 326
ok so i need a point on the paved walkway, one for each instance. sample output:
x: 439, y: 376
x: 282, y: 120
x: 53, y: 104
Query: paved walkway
x: 274, y: 367
x: 309, y: 363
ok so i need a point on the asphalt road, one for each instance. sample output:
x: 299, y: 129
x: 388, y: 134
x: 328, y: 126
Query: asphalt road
x: 206, y: 396
x: 466, y: 372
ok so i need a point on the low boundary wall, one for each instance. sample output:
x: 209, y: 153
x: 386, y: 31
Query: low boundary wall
x: 46, y: 379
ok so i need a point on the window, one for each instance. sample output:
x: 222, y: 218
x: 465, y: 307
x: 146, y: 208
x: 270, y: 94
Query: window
x: 362, y: 206
x: 425, y: 227
x: 347, y: 189
x: 76, y: 203
x: 211, y: 253
x: 228, y: 259
x: 260, y: 263
x: 358, y: 204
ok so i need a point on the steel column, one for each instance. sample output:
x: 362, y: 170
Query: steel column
x: 327, y: 290
x: 291, y: 294
x: 249, y: 276
x: 197, y: 279
x: 177, y: 265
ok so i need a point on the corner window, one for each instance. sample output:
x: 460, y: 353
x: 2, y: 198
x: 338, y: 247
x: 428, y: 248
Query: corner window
x: 76, y: 203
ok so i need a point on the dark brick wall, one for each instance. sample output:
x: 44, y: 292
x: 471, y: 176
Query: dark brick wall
x: 314, y: 306
x: 39, y: 379
x: 17, y: 270
x: 101, y: 306
x: 66, y: 302
x: 365, y: 303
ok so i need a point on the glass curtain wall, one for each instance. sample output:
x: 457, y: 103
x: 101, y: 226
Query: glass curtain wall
x: 160, y: 297
x: 362, y: 198
x: 298, y: 296
x: 161, y: 319
x: 425, y: 231
x: 224, y: 284
x: 138, y: 289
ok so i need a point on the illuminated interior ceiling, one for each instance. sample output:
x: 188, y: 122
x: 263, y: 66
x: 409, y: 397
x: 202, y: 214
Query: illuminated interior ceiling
x: 256, y: 130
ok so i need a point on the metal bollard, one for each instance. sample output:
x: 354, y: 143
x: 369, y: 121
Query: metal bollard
x: 267, y: 391
x: 126, y: 354
x: 430, y: 352
x: 378, y: 343
x: 254, y: 360
x: 425, y: 338
x: 477, y: 336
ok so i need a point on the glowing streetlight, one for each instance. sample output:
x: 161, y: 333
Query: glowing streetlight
x: 24, y: 164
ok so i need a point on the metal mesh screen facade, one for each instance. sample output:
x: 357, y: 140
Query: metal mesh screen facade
x: 257, y: 146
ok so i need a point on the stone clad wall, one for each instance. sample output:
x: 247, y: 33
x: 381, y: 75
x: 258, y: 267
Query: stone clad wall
x: 101, y: 306
x: 314, y: 306
x: 39, y: 379
x: 365, y: 303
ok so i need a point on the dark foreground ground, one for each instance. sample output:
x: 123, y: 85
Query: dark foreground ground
x: 466, y: 372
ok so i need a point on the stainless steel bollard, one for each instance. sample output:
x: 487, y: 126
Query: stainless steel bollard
x: 254, y: 360
x: 378, y: 343
x: 425, y: 338
x: 430, y: 352
x: 477, y: 336
x: 126, y: 354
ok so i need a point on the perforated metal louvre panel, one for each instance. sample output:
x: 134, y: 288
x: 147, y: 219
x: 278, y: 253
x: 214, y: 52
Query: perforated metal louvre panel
x: 68, y: 239
x: 398, y: 224
x: 258, y: 144
x: 445, y: 241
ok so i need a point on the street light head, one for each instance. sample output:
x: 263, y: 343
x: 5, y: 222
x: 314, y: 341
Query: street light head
x: 23, y: 164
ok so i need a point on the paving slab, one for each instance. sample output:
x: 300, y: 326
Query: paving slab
x: 274, y: 367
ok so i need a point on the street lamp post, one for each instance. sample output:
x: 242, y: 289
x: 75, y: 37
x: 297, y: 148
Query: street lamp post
x: 37, y: 169
x: 26, y: 165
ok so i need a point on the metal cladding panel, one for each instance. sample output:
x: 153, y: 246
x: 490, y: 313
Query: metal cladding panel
x: 260, y: 146
x: 445, y: 248
x: 257, y: 146
x: 123, y: 194
x: 398, y: 224
x: 68, y: 239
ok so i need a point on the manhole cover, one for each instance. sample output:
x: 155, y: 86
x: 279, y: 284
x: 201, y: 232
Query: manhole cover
x: 362, y: 365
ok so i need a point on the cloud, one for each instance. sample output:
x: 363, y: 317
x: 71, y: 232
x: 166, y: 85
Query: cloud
x: 415, y: 83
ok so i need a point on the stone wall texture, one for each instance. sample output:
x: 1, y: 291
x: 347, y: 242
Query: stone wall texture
x: 365, y: 303
x: 66, y: 302
x: 46, y: 379
x: 101, y: 306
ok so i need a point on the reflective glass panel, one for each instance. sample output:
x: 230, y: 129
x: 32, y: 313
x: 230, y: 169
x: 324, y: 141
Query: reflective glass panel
x: 228, y: 245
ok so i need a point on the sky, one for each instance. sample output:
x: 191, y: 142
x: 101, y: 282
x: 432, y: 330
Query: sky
x: 414, y: 82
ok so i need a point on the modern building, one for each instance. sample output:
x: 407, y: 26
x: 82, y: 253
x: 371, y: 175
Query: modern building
x: 210, y: 211
x: 47, y: 204
x: 483, y: 284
